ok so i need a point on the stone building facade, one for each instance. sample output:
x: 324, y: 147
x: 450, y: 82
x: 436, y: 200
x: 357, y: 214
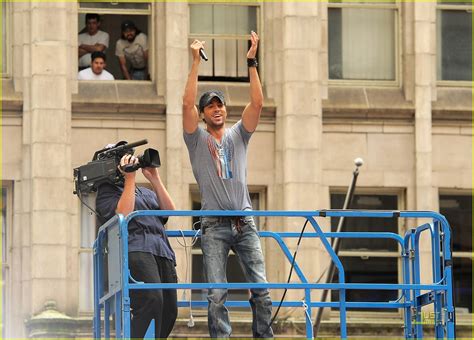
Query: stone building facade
x: 388, y: 82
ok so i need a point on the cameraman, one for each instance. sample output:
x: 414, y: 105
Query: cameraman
x: 150, y: 256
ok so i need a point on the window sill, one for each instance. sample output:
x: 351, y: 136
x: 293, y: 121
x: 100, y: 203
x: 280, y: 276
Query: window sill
x: 453, y: 104
x: 117, y: 97
x: 367, y: 103
x: 11, y: 101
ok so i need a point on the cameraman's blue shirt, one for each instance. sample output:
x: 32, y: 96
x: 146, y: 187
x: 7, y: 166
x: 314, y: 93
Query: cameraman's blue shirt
x: 145, y: 233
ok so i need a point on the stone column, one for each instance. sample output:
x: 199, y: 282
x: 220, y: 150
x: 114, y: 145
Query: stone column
x: 424, y: 87
x: 176, y: 75
x: 297, y: 90
x: 46, y: 175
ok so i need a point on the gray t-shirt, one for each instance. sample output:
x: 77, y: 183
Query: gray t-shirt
x: 133, y: 51
x: 221, y: 169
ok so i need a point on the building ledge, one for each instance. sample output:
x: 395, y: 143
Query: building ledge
x: 117, y: 97
x: 453, y: 104
x: 367, y: 103
x: 11, y: 100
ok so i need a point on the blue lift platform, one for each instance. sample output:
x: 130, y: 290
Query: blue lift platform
x: 112, y: 281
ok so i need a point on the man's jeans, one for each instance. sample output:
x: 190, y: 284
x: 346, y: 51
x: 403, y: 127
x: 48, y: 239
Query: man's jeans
x: 139, y: 74
x: 219, y: 235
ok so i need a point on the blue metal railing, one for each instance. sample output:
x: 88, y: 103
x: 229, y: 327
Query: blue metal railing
x: 111, y: 255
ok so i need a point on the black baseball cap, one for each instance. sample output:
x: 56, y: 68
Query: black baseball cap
x: 208, y: 96
x: 128, y: 24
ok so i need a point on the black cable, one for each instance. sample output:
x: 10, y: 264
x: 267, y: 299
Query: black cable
x: 79, y: 195
x: 289, y: 277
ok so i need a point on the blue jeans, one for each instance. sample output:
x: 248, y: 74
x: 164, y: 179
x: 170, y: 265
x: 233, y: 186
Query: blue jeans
x: 219, y: 235
x: 139, y: 74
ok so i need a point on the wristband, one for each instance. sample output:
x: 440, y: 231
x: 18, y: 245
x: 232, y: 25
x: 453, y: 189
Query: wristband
x: 252, y: 62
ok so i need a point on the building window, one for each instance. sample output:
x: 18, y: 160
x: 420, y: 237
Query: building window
x: 7, y: 201
x: 234, y: 271
x: 112, y: 15
x: 5, y: 39
x: 362, y: 40
x: 454, y: 40
x: 86, y: 272
x: 364, y: 260
x: 226, y: 30
x: 458, y: 211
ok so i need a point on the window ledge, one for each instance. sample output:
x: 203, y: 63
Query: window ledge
x: 364, y: 102
x: 453, y: 104
x: 117, y: 97
x: 11, y: 100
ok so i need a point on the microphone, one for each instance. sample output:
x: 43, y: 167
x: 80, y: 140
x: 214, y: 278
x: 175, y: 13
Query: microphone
x: 202, y: 54
x: 358, y: 162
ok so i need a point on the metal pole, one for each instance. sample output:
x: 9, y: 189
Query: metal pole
x: 335, y: 242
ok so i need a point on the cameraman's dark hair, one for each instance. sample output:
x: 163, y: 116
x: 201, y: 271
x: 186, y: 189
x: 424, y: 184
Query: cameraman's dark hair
x: 98, y: 54
x: 91, y: 16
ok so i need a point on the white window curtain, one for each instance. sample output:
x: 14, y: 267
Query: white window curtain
x: 368, y: 44
x: 364, y: 41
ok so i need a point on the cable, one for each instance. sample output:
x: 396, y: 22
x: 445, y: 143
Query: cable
x: 188, y: 254
x: 289, y: 277
x: 88, y: 206
x: 293, y: 309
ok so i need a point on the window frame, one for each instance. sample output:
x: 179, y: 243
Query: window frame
x: 241, y: 37
x: 6, y: 280
x: 150, y: 13
x: 451, y: 7
x: 465, y: 317
x: 6, y: 16
x: 84, y: 253
x: 367, y: 254
x: 396, y: 7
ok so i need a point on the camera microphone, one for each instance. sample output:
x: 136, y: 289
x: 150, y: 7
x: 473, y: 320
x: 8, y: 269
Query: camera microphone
x: 203, y: 54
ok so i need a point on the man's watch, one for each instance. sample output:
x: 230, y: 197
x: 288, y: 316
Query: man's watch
x: 252, y: 62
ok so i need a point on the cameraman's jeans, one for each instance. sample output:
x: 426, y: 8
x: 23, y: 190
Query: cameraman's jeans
x: 219, y: 235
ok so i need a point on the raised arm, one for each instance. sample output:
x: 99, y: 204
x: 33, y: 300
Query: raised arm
x: 164, y: 199
x: 126, y: 203
x: 251, y: 114
x: 190, y: 111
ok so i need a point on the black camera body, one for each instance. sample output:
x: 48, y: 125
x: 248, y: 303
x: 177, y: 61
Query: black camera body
x: 104, y: 166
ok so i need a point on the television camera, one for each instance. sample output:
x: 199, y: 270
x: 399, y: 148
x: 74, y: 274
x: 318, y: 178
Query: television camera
x: 104, y: 166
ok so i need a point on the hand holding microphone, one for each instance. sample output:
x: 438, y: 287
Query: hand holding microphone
x: 203, y: 54
x: 197, y: 48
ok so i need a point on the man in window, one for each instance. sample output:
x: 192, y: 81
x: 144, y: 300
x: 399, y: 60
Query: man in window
x: 93, y: 40
x: 219, y: 161
x: 97, y: 70
x: 132, y: 48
